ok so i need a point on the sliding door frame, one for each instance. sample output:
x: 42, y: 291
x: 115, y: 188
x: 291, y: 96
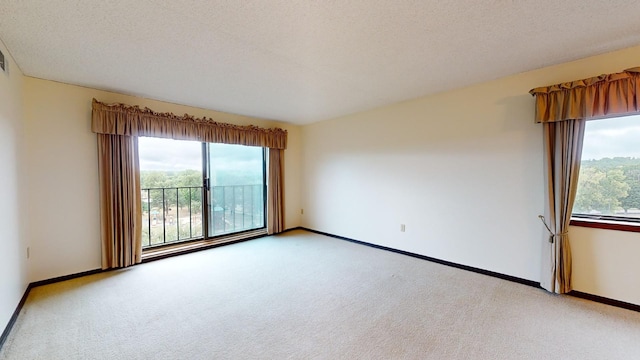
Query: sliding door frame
x: 206, y: 193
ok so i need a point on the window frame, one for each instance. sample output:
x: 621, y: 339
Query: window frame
x: 205, y: 187
x: 607, y: 222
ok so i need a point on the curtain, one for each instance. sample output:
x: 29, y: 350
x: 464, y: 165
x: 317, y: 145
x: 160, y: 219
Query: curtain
x: 564, y: 109
x: 563, y: 149
x: 120, y: 200
x: 275, y: 195
x: 597, y: 97
x: 121, y: 119
x: 118, y: 127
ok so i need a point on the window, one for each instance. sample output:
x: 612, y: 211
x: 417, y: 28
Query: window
x: 192, y: 190
x: 609, y: 180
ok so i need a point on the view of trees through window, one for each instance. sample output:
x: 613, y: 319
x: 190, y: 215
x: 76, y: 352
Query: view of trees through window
x: 174, y: 200
x: 609, y: 180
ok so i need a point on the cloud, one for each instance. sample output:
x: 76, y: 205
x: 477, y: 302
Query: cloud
x: 176, y: 155
x: 235, y: 157
x: 617, y: 137
x: 168, y: 154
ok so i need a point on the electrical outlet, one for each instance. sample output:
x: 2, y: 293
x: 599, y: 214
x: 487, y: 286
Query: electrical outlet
x: 402, y: 228
x: 301, y: 211
x: 28, y: 252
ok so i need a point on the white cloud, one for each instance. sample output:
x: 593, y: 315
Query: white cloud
x: 176, y: 155
x: 168, y: 154
x: 619, y: 137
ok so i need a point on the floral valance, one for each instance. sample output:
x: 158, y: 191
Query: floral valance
x: 121, y: 119
x: 596, y: 97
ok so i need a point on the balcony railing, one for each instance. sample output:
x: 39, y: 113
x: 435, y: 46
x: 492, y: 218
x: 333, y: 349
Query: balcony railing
x: 175, y: 214
x: 171, y: 214
x: 235, y: 208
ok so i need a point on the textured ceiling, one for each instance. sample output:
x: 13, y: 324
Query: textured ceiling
x: 303, y: 61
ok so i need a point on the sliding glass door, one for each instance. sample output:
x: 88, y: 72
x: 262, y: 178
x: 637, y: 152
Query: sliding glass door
x: 235, y: 182
x: 193, y: 190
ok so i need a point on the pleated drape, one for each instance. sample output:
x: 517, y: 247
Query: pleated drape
x: 275, y: 192
x: 563, y: 149
x: 120, y: 200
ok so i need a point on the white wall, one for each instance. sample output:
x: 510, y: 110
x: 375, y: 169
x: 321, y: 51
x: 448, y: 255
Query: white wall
x: 13, y: 244
x: 63, y: 173
x: 463, y: 171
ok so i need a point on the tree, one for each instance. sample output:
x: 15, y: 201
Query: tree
x: 174, y: 184
x: 153, y: 179
x: 632, y: 201
x: 615, y: 189
x: 600, y: 191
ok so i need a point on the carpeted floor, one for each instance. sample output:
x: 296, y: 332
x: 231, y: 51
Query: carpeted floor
x: 305, y: 296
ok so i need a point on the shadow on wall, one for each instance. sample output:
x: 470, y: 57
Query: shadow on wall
x: 586, y: 252
x: 436, y: 124
x: 518, y: 112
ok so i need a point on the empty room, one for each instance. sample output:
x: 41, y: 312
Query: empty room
x: 319, y: 179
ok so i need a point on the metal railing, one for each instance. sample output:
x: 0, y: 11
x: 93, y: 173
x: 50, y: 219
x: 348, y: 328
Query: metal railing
x: 171, y: 214
x: 236, y: 208
x: 175, y: 214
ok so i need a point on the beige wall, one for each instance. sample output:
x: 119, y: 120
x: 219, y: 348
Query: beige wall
x: 13, y: 241
x: 463, y: 171
x: 63, y: 174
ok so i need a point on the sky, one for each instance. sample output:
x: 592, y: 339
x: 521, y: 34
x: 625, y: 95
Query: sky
x: 168, y: 154
x: 176, y: 155
x: 619, y: 137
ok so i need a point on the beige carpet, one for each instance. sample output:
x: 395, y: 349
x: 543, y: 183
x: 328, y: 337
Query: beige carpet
x: 306, y: 296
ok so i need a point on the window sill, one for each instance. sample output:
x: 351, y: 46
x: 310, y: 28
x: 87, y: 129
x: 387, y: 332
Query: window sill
x: 178, y: 249
x: 606, y: 224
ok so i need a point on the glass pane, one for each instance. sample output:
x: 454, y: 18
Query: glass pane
x: 236, y: 197
x: 609, y: 181
x: 171, y: 182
